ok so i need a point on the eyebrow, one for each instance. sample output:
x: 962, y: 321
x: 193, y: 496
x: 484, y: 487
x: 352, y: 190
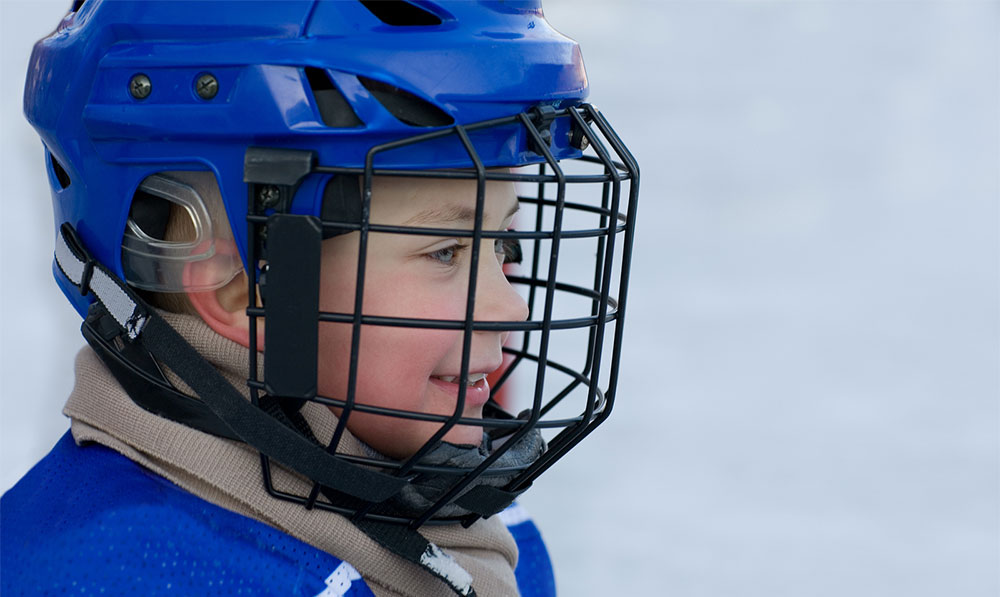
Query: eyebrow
x: 451, y: 215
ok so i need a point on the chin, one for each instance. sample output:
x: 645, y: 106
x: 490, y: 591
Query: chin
x: 399, y: 438
x: 465, y: 436
x: 404, y: 440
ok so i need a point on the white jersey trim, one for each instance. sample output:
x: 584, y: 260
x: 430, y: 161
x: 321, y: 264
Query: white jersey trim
x: 339, y: 581
x: 514, y: 515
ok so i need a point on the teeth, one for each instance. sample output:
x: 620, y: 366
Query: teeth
x: 473, y: 378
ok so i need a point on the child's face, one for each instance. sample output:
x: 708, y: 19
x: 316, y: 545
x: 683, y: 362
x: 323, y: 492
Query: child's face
x: 423, y: 277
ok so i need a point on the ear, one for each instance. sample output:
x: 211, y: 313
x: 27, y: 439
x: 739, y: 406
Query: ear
x: 224, y: 310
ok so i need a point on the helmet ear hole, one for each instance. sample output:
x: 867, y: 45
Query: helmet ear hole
x: 170, y: 230
x: 150, y: 214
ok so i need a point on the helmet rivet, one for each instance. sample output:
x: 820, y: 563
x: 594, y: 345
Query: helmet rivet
x: 207, y: 86
x: 140, y: 86
x: 269, y: 195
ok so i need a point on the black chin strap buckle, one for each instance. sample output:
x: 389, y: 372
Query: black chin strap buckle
x: 88, y: 273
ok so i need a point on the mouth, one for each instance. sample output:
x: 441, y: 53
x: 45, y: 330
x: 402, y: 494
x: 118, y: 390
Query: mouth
x: 473, y: 381
x: 477, y: 388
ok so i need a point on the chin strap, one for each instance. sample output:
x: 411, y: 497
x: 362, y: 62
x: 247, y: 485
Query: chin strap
x: 401, y: 540
x: 130, y: 338
x: 411, y: 545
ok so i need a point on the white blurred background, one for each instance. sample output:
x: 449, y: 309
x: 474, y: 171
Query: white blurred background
x: 810, y: 400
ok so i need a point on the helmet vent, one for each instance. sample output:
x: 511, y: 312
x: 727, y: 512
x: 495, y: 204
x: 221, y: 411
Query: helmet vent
x: 401, y: 14
x: 333, y: 106
x: 405, y: 106
x: 60, y: 172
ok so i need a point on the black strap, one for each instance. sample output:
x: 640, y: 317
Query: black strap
x: 400, y: 540
x: 137, y: 321
x: 254, y: 427
x: 414, y: 547
x: 143, y: 381
x: 486, y: 500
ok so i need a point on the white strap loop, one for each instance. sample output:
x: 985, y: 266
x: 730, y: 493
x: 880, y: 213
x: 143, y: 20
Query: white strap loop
x: 115, y: 299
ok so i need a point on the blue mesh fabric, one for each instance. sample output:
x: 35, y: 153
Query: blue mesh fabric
x: 88, y: 521
x: 534, y: 573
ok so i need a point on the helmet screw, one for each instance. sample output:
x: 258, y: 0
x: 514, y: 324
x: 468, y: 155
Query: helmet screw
x: 269, y: 195
x: 207, y: 86
x: 140, y: 86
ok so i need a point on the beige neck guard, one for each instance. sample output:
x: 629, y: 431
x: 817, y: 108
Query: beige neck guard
x: 228, y: 474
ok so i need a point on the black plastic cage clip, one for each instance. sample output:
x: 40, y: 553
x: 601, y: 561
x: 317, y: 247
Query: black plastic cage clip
x: 577, y: 136
x: 274, y: 175
x: 292, y: 305
x: 542, y: 117
x: 290, y: 283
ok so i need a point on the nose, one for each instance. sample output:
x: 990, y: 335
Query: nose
x: 496, y: 298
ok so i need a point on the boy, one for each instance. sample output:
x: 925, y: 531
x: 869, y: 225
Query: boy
x: 286, y: 225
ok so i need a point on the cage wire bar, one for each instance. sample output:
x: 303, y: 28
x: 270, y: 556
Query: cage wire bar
x: 568, y: 438
x: 546, y: 319
x: 604, y: 309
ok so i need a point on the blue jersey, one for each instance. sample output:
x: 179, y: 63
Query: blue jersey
x: 90, y: 521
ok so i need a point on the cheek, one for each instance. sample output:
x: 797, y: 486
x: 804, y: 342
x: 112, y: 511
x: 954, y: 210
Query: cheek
x: 394, y: 366
x: 394, y: 363
x: 389, y: 355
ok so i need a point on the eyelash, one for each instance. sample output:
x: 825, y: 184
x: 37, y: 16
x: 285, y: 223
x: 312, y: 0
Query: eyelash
x: 451, y: 251
x: 508, y: 248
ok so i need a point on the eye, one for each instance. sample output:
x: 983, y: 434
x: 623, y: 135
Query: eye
x: 446, y: 255
x: 508, y: 249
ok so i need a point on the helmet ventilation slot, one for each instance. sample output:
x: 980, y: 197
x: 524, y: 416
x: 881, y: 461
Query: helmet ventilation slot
x: 405, y: 106
x: 332, y: 105
x: 61, y: 175
x: 401, y: 14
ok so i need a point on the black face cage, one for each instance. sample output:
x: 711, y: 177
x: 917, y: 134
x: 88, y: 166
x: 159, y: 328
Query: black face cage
x: 579, y: 304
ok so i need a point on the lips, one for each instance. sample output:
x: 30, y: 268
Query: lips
x: 474, y: 378
x: 477, y: 391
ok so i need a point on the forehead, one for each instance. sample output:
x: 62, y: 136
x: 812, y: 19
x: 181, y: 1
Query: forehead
x: 427, y: 201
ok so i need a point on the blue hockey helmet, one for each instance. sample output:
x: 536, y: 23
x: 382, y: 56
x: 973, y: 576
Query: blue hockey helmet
x: 123, y: 90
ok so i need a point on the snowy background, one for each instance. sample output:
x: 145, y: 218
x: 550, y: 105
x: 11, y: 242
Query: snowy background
x: 810, y: 400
